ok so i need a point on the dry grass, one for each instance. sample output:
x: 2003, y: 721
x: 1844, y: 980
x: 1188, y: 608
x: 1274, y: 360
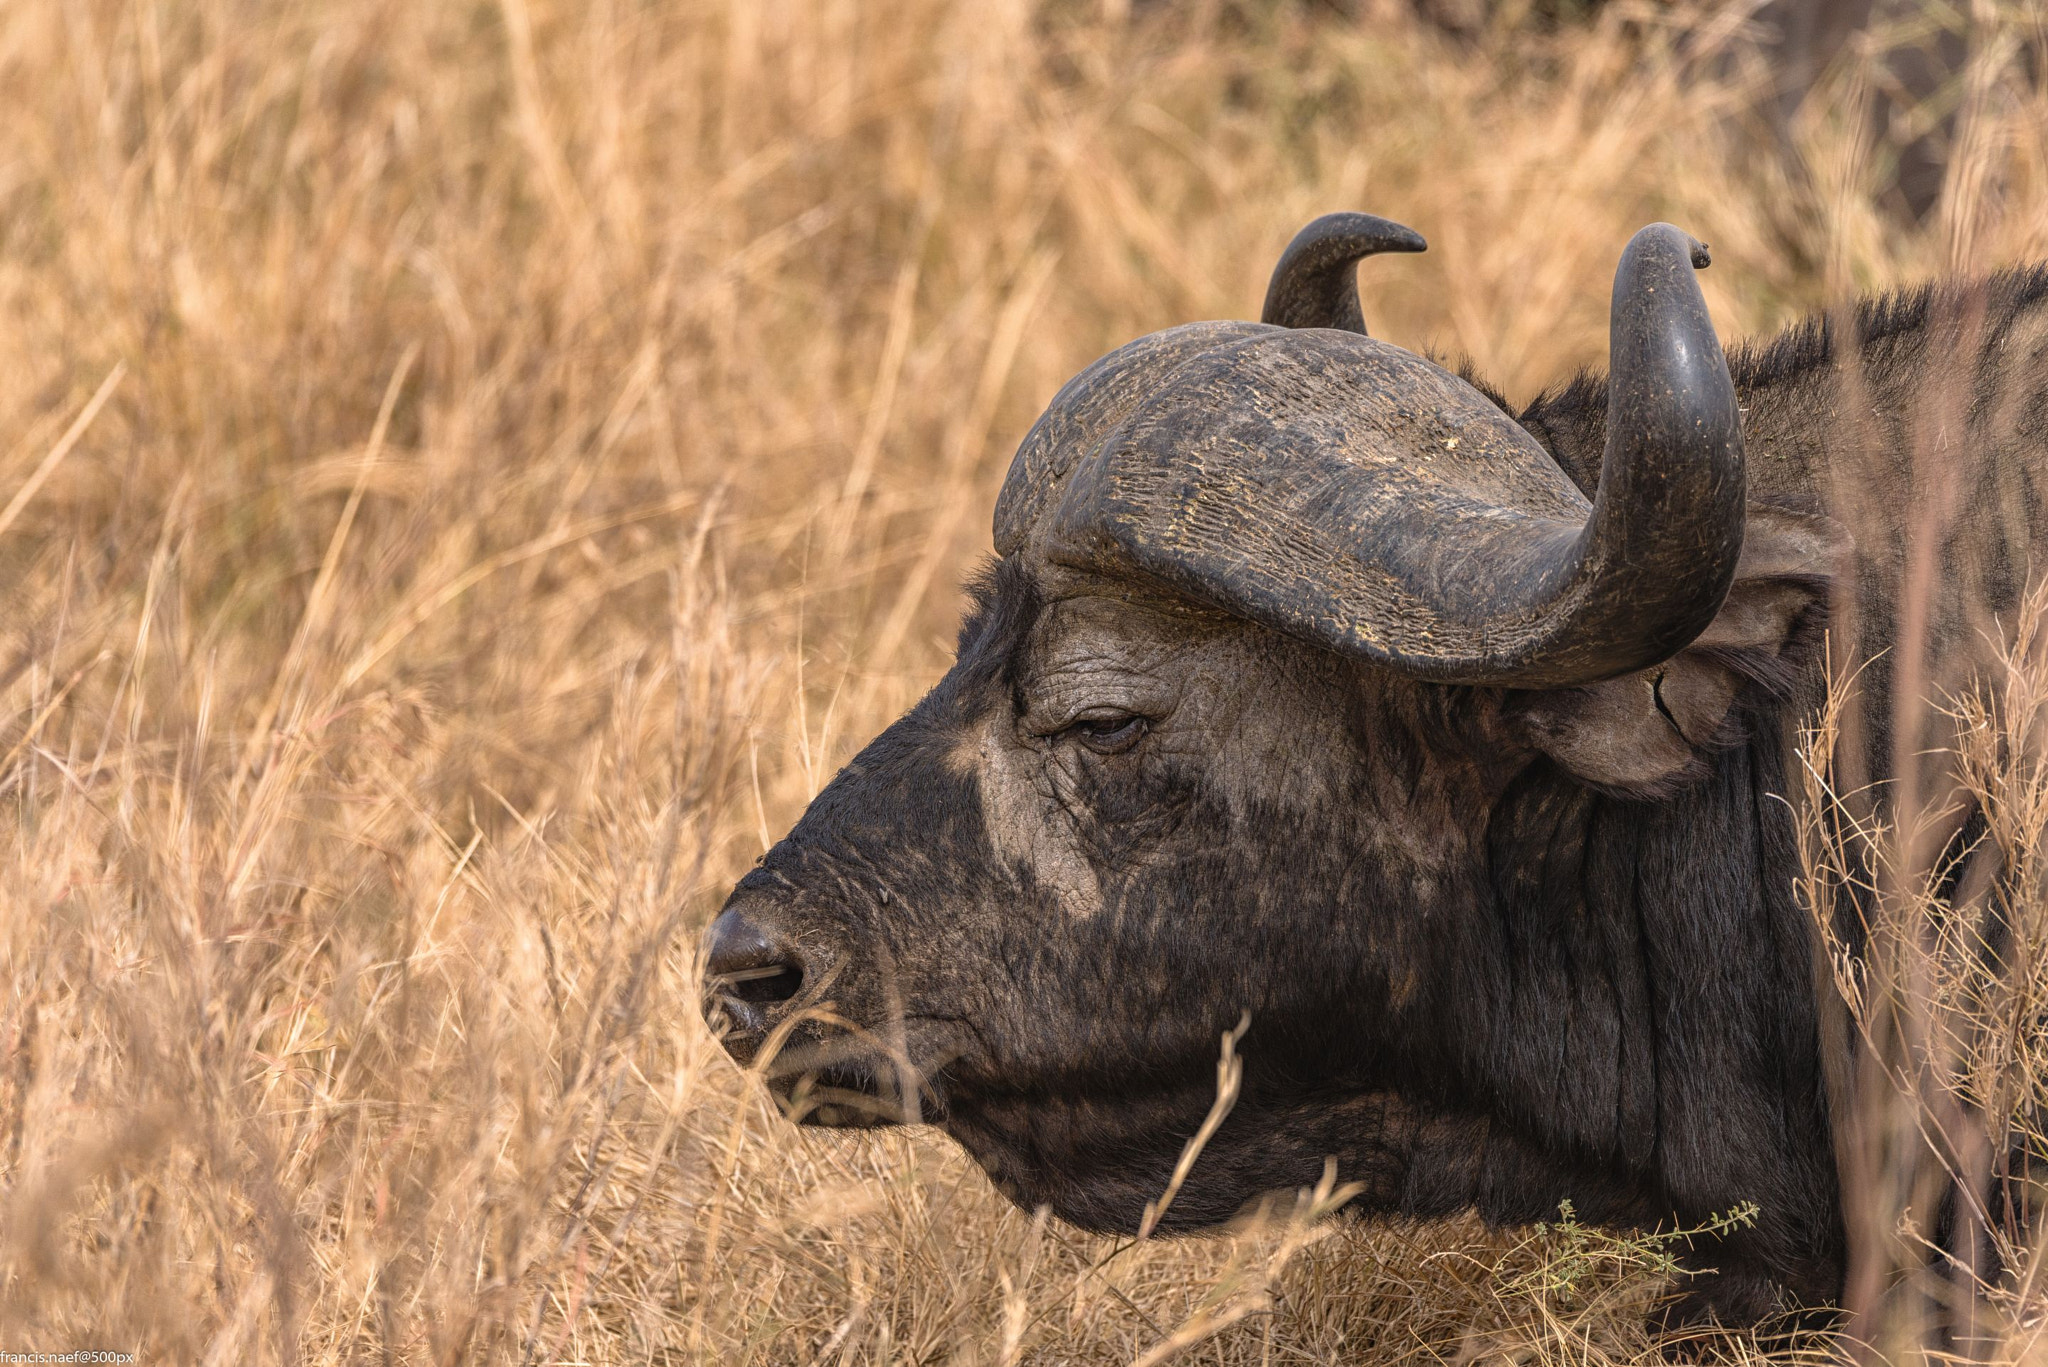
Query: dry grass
x: 469, y: 471
x: 1941, y: 963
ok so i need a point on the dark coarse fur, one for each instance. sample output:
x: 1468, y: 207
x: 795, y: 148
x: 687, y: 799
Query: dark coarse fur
x: 1498, y: 948
x: 1939, y: 410
x: 1570, y: 419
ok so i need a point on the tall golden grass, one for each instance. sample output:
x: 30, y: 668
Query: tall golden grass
x: 469, y: 471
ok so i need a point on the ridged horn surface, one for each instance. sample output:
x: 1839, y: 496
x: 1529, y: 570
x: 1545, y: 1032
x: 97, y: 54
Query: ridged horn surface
x: 1348, y: 492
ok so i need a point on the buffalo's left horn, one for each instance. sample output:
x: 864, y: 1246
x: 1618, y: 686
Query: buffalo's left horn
x: 1358, y: 496
x: 1316, y: 283
x: 1658, y: 554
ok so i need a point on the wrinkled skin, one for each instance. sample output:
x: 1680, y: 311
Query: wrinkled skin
x: 1497, y: 948
x: 1121, y: 848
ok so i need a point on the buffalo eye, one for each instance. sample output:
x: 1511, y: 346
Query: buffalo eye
x: 1110, y: 734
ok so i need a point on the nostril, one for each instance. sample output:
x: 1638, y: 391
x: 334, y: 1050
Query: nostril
x: 743, y: 963
x: 768, y: 984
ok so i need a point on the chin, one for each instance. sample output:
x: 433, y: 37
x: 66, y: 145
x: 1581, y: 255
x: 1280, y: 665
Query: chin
x: 1102, y: 1179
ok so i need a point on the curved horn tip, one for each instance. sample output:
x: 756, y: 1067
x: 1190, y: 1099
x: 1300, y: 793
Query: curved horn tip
x: 1672, y: 238
x: 1315, y: 284
x: 1670, y: 501
x: 1367, y: 233
x: 1668, y: 335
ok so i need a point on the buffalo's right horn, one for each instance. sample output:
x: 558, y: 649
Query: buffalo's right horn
x: 1358, y: 496
x: 1316, y: 283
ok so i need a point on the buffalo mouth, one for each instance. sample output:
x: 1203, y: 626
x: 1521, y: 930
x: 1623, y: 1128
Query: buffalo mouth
x: 851, y: 1079
x: 859, y: 1094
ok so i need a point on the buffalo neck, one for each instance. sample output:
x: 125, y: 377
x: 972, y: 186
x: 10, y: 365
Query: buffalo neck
x: 1633, y: 990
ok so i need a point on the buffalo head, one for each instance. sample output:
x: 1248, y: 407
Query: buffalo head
x: 1296, y: 650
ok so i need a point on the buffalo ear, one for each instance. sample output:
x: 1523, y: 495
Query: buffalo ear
x: 1648, y: 733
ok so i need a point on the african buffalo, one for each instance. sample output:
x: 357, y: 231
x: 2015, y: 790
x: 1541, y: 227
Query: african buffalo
x: 1313, y: 685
